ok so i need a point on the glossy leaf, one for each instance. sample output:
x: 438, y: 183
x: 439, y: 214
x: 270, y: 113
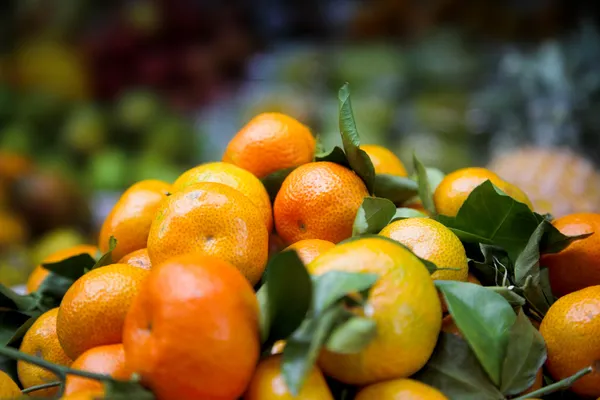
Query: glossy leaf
x: 484, y: 318
x: 334, y: 285
x: 106, y: 258
x: 73, y: 267
x: 456, y: 372
x: 395, y: 188
x: 352, y: 336
x: 405, y: 212
x: 554, y: 241
x: 425, y: 191
x: 373, y: 215
x: 336, y: 155
x: 125, y: 390
x: 11, y: 300
x: 528, y: 262
x: 525, y: 355
x: 357, y: 158
x: 509, y: 295
x: 273, y: 182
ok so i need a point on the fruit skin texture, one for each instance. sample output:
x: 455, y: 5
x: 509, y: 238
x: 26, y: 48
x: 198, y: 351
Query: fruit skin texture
x: 8, y: 387
x: 192, y: 332
x: 318, y: 201
x: 309, y: 249
x: 213, y: 219
x: 40, y: 273
x: 138, y: 258
x: 571, y: 329
x: 271, y: 142
x: 235, y: 177
x: 93, y: 310
x: 577, y: 266
x: 268, y: 384
x: 403, y: 302
x: 434, y: 242
x: 41, y: 341
x: 405, y: 389
x: 384, y: 161
x: 130, y: 219
x: 454, y: 189
x: 107, y: 360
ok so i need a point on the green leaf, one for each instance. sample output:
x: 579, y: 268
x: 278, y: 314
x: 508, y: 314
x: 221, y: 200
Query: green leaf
x: 525, y: 355
x: 405, y: 212
x: 484, y: 318
x: 528, y: 261
x: 425, y: 191
x: 72, y: 267
x: 20, y: 332
x: 358, y: 159
x: 491, y: 217
x: 434, y: 176
x: 53, y: 289
x: 11, y: 300
x: 106, y: 258
x: 509, y: 295
x: 10, y: 324
x: 495, y: 267
x: 288, y: 292
x: 455, y: 371
x: 395, y: 188
x: 352, y: 336
x: 272, y: 182
x: 373, y: 215
x: 336, y: 155
x: 125, y: 390
x: 332, y: 286
x: 554, y: 241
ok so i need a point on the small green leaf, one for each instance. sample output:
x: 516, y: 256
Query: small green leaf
x: 431, y: 267
x: 352, y: 336
x: 395, y: 188
x: 525, y: 355
x: 357, y: 158
x: 434, y: 176
x: 125, y: 390
x: 288, y: 292
x: 11, y: 300
x: 425, y: 191
x: 405, y: 212
x: 509, y: 295
x: 528, y: 261
x: 272, y: 182
x: 454, y: 370
x: 106, y: 258
x: 336, y: 155
x: 334, y: 285
x: 484, y: 318
x: 373, y: 215
x: 72, y: 267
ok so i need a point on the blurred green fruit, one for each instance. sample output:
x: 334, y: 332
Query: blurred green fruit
x: 17, y: 137
x: 109, y: 170
x: 137, y: 110
x: 152, y: 166
x: 85, y: 129
x: 54, y: 241
x: 15, y: 266
x: 170, y: 137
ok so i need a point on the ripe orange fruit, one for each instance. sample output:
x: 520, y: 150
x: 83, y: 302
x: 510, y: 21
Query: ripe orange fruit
x: 309, y: 249
x: 318, y: 201
x: 268, y: 384
x: 192, y: 332
x: 384, y: 161
x: 577, y: 266
x: 107, y: 360
x: 454, y: 189
x: 433, y: 242
x: 138, y: 258
x: 40, y: 273
x: 271, y: 142
x: 92, y: 311
x: 85, y: 395
x: 235, y: 177
x: 8, y: 387
x: 129, y: 220
x: 213, y: 219
x: 41, y: 341
x: 403, y: 302
x: 571, y: 329
x: 13, y: 166
x: 400, y: 389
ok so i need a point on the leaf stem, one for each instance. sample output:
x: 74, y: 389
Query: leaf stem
x: 563, y: 384
x: 41, y: 387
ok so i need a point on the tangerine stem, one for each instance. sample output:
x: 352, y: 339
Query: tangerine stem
x: 563, y: 384
x: 40, y: 387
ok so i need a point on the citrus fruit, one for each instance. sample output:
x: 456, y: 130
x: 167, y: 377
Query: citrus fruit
x: 40, y: 273
x: 107, y: 360
x: 571, y: 329
x: 8, y: 387
x: 309, y: 249
x: 384, y: 160
x: 138, y: 258
x: 214, y: 219
x: 557, y: 180
x: 271, y: 142
x: 433, y: 242
x: 192, y: 332
x: 400, y: 389
x: 41, y: 341
x: 318, y: 201
x: 403, y: 302
x: 85, y: 395
x: 130, y: 219
x: 235, y: 177
x: 268, y: 384
x: 577, y: 266
x: 454, y: 189
x: 92, y: 311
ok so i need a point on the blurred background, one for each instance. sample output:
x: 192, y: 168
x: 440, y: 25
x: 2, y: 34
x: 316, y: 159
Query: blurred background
x: 95, y: 95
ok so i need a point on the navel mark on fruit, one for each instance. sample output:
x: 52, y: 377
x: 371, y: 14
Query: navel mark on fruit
x: 209, y: 238
x: 302, y: 226
x: 149, y: 326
